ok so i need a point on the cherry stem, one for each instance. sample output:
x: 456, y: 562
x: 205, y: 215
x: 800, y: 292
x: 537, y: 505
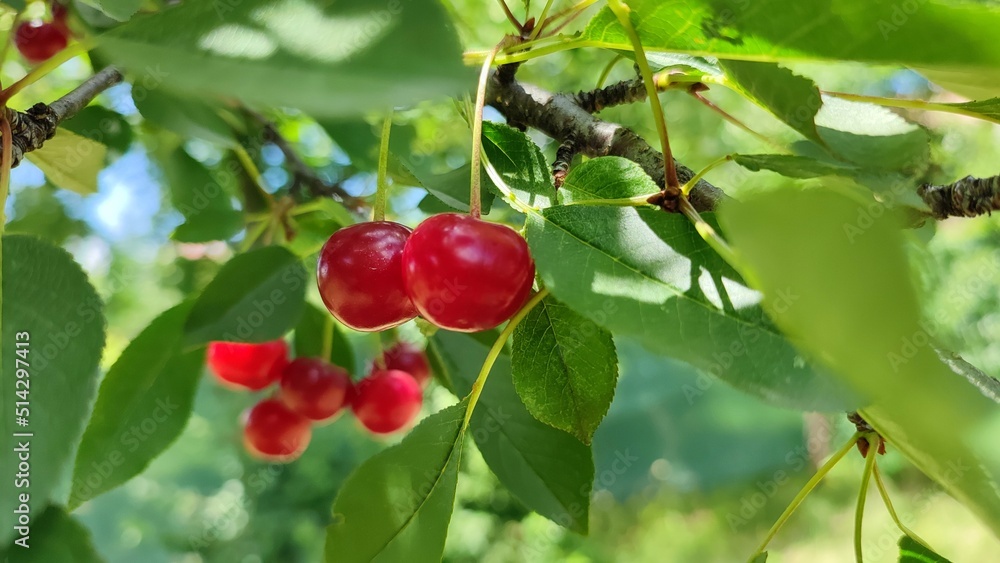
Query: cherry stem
x: 510, y: 16
x: 690, y: 184
x: 43, y: 69
x: 541, y: 20
x: 731, y: 119
x: 866, y: 478
x: 808, y: 488
x: 381, y: 182
x: 255, y: 175
x: 569, y: 13
x: 328, y: 331
x: 494, y: 353
x: 501, y: 185
x: 607, y: 70
x: 622, y: 12
x: 709, y: 235
x: 475, y: 199
x: 892, y: 510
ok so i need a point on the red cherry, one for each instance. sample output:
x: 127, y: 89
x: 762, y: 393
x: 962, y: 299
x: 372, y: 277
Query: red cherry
x: 387, y: 400
x: 406, y: 357
x: 39, y: 41
x: 249, y: 366
x: 314, y: 388
x: 274, y: 433
x: 465, y: 274
x: 360, y: 276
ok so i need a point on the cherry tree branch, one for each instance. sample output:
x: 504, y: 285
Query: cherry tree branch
x: 968, y: 197
x: 560, y: 117
x: 30, y: 129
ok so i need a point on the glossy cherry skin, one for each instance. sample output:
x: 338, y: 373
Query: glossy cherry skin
x: 404, y: 356
x: 465, y: 274
x: 360, y: 276
x: 273, y: 432
x: 387, y: 400
x: 314, y: 388
x: 248, y: 366
x: 39, y: 41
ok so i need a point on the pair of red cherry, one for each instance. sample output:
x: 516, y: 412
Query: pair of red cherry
x: 312, y: 390
x: 456, y: 271
x: 38, y: 41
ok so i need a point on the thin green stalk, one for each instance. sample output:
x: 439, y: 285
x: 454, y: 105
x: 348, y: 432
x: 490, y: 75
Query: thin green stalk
x: 382, y: 182
x: 880, y: 485
x: 607, y: 70
x: 494, y: 353
x: 501, y: 185
x: 859, y: 512
x: 328, y: 329
x: 510, y: 15
x: 810, y: 485
x: 912, y: 104
x: 540, y: 20
x: 622, y: 12
x: 731, y: 119
x: 690, y: 184
x: 569, y: 13
x: 475, y: 199
x: 254, y: 235
x: 565, y: 44
x: 258, y: 180
x: 634, y: 201
x: 708, y: 233
x: 43, y: 69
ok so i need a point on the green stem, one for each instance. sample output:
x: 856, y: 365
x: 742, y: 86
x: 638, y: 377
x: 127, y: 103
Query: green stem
x: 565, y: 44
x: 475, y: 199
x: 494, y: 353
x: 327, y: 349
x: 569, y: 13
x: 43, y: 69
x: 381, y: 182
x: 607, y: 70
x: 540, y: 20
x: 731, y: 119
x: 866, y: 478
x: 912, y: 104
x: 622, y: 12
x: 258, y: 180
x: 810, y: 485
x: 710, y: 235
x: 880, y: 485
x: 510, y: 16
x: 253, y: 235
x: 501, y: 185
x: 686, y: 188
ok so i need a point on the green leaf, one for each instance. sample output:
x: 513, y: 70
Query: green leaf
x: 70, y: 161
x: 313, y: 329
x: 186, y: 116
x: 974, y: 84
x: 858, y: 314
x: 872, y: 136
x: 520, y: 163
x: 565, y: 368
x: 548, y: 469
x: 101, y: 125
x: 792, y: 166
x: 606, y: 177
x: 37, y: 211
x: 120, y: 10
x: 204, y: 201
x: 911, y: 551
x: 376, y: 55
x: 790, y: 97
x: 142, y: 406
x: 760, y: 558
x: 314, y: 228
x: 47, y: 297
x: 985, y: 109
x: 55, y: 536
x: 648, y: 274
x: 397, y: 505
x: 452, y: 188
x: 850, y: 30
x: 257, y: 296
